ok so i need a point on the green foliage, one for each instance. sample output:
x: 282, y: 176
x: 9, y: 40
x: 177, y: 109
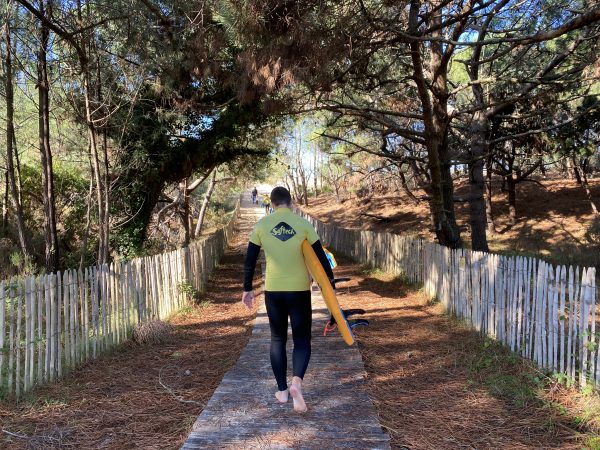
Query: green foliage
x: 372, y: 271
x: 126, y: 242
x: 503, y: 374
x: 190, y: 292
x: 23, y: 264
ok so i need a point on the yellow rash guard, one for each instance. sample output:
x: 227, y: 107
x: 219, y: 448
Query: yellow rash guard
x: 281, y: 234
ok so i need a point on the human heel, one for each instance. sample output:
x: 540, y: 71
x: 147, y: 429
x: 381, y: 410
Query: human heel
x: 298, y: 399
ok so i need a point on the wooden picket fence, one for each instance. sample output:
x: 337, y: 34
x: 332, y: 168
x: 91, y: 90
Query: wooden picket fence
x: 50, y: 324
x: 543, y: 312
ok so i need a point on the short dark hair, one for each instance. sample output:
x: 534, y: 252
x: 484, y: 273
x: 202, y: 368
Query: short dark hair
x: 280, y: 196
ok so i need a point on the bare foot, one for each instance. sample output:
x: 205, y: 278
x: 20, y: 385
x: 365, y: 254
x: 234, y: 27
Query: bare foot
x: 296, y: 391
x: 282, y: 396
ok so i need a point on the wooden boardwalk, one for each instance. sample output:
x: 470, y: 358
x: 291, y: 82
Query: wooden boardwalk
x: 244, y: 414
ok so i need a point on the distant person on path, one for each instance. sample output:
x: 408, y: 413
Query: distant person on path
x: 267, y: 204
x: 254, y: 195
x: 287, y: 288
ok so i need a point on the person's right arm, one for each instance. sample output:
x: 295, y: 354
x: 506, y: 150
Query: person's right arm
x: 250, y: 266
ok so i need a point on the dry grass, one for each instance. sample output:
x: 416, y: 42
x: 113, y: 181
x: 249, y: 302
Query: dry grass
x: 437, y: 384
x: 153, y: 332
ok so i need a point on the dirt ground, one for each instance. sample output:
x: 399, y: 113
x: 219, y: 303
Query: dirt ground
x: 436, y: 384
x: 142, y: 397
x: 553, y: 217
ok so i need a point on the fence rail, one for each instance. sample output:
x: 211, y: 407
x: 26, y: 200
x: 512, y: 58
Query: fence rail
x: 51, y: 323
x: 543, y: 312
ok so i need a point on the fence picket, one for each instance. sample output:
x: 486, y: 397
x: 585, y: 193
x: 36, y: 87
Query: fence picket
x: 563, y: 354
x: 2, y: 331
x: 18, y: 339
x: 26, y: 348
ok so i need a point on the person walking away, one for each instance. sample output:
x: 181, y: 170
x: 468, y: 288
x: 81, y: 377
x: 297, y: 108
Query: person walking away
x: 287, y: 289
x: 267, y: 204
x: 254, y: 195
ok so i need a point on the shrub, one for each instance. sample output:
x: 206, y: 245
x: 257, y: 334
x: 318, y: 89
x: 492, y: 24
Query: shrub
x: 153, y: 332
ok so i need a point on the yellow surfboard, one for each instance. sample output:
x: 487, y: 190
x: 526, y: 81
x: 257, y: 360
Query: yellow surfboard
x: 318, y: 273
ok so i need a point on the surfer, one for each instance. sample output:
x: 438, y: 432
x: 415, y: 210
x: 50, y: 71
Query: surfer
x: 287, y: 288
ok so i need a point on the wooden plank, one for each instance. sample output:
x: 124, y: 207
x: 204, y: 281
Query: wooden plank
x: 555, y: 319
x: 541, y: 280
x: 66, y: 335
x: 592, y: 345
x: 573, y: 321
x: 49, y: 321
x: 39, y: 376
x: 11, y: 335
x: 31, y: 335
x: 77, y: 305
x: 562, y: 319
x: 112, y: 306
x: 72, y: 318
x: 86, y: 313
x: 3, y: 350
x: 547, y: 315
x: 518, y: 303
x: 129, y: 293
x: 60, y: 333
x: 104, y: 306
x: 95, y: 293
x: 27, y: 337
x: 527, y: 316
x: 116, y: 301
x: 583, y: 328
x: 18, y: 338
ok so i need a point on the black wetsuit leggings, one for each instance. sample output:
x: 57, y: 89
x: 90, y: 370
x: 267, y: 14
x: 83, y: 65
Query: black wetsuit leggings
x: 297, y: 306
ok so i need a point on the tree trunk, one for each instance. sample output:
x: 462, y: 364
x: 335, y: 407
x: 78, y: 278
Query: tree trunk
x: 287, y: 184
x: 10, y: 139
x: 294, y: 186
x: 106, y: 191
x: 88, y: 224
x: 478, y: 219
x: 5, y: 202
x: 315, y: 173
x: 511, y: 186
x: 574, y: 167
x: 491, y: 226
x: 102, y: 256
x: 185, y: 214
x: 304, y: 186
x: 542, y: 165
x: 588, y: 193
x: 209, y: 192
x: 19, y: 180
x: 321, y: 160
x: 435, y: 122
x: 421, y: 178
x: 95, y: 158
x: 405, y: 188
x: 51, y: 234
